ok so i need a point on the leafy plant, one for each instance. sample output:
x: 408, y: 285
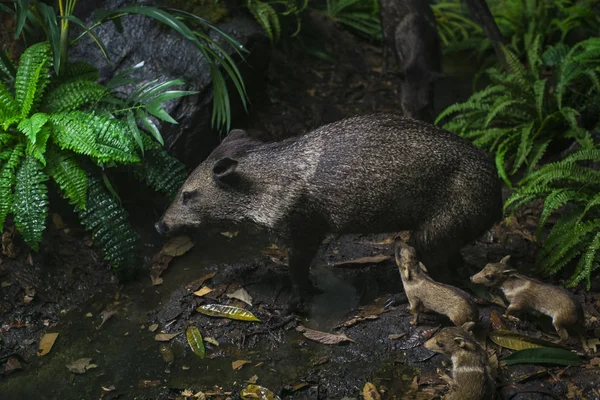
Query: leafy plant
x: 56, y: 29
x: 266, y: 14
x: 361, y: 16
x: 573, y: 186
x: 456, y: 28
x: 522, y: 112
x: 69, y: 129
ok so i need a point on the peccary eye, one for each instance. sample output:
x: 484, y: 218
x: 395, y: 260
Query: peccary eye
x: 185, y: 196
x: 489, y: 277
x: 440, y: 345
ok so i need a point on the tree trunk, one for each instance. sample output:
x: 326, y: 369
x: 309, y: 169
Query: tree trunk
x: 483, y: 16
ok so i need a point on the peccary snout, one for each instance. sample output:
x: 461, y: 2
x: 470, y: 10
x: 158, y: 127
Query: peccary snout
x: 161, y: 227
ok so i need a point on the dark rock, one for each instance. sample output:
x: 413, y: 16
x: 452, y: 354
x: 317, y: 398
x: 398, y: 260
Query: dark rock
x: 167, y: 55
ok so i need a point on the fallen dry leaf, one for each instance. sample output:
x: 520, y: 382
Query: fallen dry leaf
x: 204, y: 290
x: 417, y: 338
x: 496, y: 320
x: 211, y: 340
x: 153, y: 327
x: 323, y: 337
x: 165, y: 337
x: 404, y: 236
x: 253, y: 379
x: 146, y: 383
x: 58, y: 221
x: 356, y: 320
x: 80, y: 366
x: 363, y: 260
x: 238, y: 364
x: 177, y: 246
x: 46, y: 343
x: 12, y: 364
x: 106, y: 315
x: 370, y: 392
x: 195, y: 285
x: 395, y: 336
x: 242, y: 295
x: 321, y: 361
x: 493, y: 362
x: 108, y: 389
x: 187, y: 393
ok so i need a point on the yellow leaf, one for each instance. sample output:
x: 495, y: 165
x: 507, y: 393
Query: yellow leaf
x: 516, y: 341
x: 211, y: 340
x: 231, y: 312
x: 153, y: 327
x: 165, y: 337
x: 257, y: 392
x: 237, y: 365
x: 177, y: 246
x: 370, y: 392
x: 204, y: 290
x: 46, y: 343
x: 194, y: 339
x: 229, y: 234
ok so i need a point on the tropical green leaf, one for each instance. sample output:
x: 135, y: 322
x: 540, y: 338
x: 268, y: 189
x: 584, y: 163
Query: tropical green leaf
x: 30, y: 204
x: 33, y: 76
x: 73, y: 95
x: 12, y: 157
x: 70, y: 178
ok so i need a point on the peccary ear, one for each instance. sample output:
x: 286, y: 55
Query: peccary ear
x: 223, y: 169
x: 509, y: 272
x: 422, y: 266
x: 505, y: 259
x: 235, y: 134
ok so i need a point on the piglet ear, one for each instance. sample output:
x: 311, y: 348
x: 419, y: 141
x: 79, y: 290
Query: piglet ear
x: 468, y: 326
x: 224, y: 169
x: 460, y: 342
x: 505, y: 259
x: 423, y: 268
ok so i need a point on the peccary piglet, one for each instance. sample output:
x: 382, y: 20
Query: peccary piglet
x: 422, y: 291
x: 410, y: 33
x: 375, y: 173
x: 527, y: 293
x: 471, y: 374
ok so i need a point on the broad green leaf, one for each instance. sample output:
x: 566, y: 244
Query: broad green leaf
x: 155, y: 109
x: 150, y: 125
x: 96, y: 39
x: 22, y: 9
x: 71, y: 179
x: 544, y: 355
x: 231, y: 312
x: 52, y: 32
x: 133, y: 128
x: 38, y: 149
x: 195, y: 341
x: 516, y: 341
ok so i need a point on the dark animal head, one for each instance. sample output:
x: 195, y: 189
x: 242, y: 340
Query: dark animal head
x: 453, y: 339
x: 416, y: 94
x: 214, y: 192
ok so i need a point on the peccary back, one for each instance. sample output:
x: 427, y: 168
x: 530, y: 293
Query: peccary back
x: 365, y: 174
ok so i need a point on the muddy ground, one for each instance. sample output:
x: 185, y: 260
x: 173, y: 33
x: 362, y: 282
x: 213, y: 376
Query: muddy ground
x: 65, y: 288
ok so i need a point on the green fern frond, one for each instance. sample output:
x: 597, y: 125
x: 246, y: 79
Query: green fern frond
x: 159, y: 170
x: 587, y: 263
x: 72, y: 96
x: 108, y: 222
x: 555, y: 200
x: 79, y: 71
x: 30, y: 204
x: 266, y: 17
x: 99, y: 137
x: 33, y: 76
x: 12, y: 159
x: 8, y: 107
x: 70, y: 178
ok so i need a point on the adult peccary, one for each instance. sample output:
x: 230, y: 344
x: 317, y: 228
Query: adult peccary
x: 376, y: 173
x: 410, y: 34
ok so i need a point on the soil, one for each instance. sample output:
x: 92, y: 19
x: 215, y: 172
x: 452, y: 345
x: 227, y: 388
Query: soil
x: 66, y: 288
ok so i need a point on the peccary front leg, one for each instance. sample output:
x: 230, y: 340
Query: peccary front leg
x: 302, y: 251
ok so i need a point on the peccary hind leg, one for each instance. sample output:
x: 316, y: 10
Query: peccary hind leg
x: 302, y: 251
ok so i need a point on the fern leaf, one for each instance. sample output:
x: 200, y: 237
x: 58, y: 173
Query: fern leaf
x: 8, y: 106
x: 7, y: 180
x: 159, y: 170
x: 524, y: 148
x: 30, y: 205
x: 586, y: 263
x: 79, y: 71
x: 30, y: 127
x: 33, y: 76
x: 100, y: 137
x: 73, y: 95
x: 554, y: 201
x: 70, y: 178
x: 110, y: 228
